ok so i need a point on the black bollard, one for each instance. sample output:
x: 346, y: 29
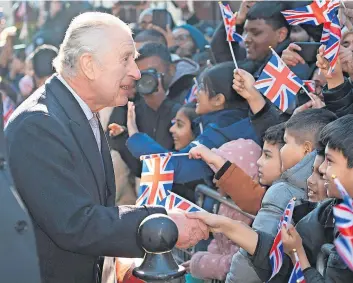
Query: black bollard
x: 158, y: 235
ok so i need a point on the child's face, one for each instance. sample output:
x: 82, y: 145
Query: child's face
x: 292, y: 152
x: 269, y: 164
x: 181, y: 131
x: 206, y: 104
x: 316, y: 182
x: 336, y: 164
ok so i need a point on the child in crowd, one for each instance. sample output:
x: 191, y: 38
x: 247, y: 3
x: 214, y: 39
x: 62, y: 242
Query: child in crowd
x: 246, y: 192
x: 301, y: 138
x: 215, y: 262
x: 311, y: 232
x: 222, y: 118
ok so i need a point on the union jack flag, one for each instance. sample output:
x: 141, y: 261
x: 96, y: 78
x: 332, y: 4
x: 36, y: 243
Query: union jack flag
x: 316, y: 13
x: 175, y: 201
x: 276, y: 252
x: 344, y: 247
x: 343, y: 214
x: 156, y: 178
x: 333, y: 43
x: 191, y: 96
x: 297, y: 275
x: 8, y: 108
x: 325, y: 33
x: 279, y: 84
x: 310, y: 85
x: 229, y: 19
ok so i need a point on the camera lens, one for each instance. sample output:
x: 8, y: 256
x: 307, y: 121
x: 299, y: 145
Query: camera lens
x: 148, y: 84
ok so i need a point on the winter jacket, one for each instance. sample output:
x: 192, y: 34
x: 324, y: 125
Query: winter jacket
x: 316, y: 230
x: 243, y: 190
x: 339, y: 100
x: 213, y: 136
x: 292, y: 183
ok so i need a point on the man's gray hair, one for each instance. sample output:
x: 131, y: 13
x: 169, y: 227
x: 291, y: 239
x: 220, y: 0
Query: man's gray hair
x: 85, y: 34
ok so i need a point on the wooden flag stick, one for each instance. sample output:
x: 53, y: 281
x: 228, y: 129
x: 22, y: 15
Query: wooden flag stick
x: 303, y: 87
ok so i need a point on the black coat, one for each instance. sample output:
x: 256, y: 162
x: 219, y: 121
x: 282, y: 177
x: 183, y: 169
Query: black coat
x: 68, y: 187
x: 18, y: 260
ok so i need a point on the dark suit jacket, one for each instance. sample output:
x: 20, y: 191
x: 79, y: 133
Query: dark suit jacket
x: 68, y: 187
x: 18, y: 252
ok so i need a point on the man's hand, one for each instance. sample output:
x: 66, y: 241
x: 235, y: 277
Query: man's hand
x: 131, y: 119
x: 215, y: 222
x: 115, y: 129
x: 168, y: 34
x: 334, y: 78
x: 243, y: 10
x: 346, y: 59
x: 315, y: 102
x: 290, y: 55
x: 207, y: 155
x: 191, y: 231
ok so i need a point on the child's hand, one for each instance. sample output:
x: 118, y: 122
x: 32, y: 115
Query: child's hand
x: 186, y: 265
x: 200, y: 152
x: 291, y: 240
x: 243, y: 83
x: 214, y: 222
x: 131, y: 119
x: 115, y: 129
x: 212, y: 159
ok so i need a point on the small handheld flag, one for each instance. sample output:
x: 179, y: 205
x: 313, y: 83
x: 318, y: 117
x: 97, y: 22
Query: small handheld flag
x: 156, y: 178
x: 175, y: 201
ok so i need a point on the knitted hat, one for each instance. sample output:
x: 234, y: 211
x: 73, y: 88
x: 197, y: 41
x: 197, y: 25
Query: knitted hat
x: 196, y: 36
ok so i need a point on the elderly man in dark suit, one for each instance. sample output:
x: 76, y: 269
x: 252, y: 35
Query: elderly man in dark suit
x: 59, y: 156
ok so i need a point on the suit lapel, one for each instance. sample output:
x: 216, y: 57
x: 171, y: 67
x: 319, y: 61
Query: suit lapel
x: 108, y: 166
x: 81, y: 130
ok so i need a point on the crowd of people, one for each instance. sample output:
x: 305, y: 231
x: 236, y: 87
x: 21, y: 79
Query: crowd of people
x: 193, y: 98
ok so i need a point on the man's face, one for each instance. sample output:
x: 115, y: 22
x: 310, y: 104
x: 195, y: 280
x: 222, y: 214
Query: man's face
x: 316, y: 182
x: 185, y: 43
x: 259, y: 36
x: 159, y: 65
x: 336, y: 164
x: 292, y: 152
x: 269, y: 164
x: 145, y: 21
x: 348, y: 41
x: 115, y: 73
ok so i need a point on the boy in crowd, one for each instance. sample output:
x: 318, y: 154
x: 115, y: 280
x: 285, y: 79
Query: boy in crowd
x: 314, y: 230
x: 234, y: 182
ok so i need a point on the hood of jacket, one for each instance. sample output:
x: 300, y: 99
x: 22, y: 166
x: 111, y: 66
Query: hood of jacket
x: 184, y: 67
x: 298, y: 174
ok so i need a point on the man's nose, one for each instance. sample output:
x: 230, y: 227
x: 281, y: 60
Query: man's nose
x: 135, y: 72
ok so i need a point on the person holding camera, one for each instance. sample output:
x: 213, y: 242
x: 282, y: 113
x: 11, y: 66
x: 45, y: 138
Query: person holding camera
x: 161, y: 91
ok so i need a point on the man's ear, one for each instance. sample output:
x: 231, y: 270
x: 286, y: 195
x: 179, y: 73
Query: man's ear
x: 308, y: 147
x: 87, y: 65
x: 282, y: 34
x: 172, y: 69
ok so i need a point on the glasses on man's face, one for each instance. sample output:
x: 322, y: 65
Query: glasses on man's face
x: 318, y: 89
x: 181, y: 37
